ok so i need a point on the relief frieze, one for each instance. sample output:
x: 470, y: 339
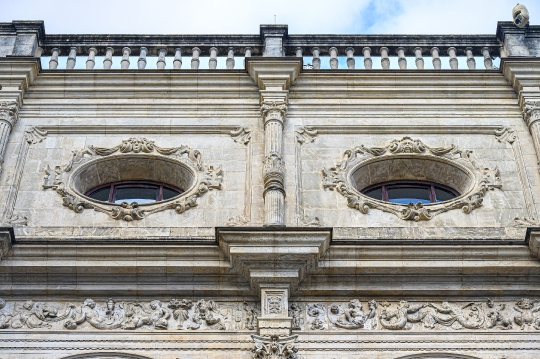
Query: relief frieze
x: 206, y: 314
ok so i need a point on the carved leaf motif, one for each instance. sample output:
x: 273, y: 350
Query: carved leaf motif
x: 241, y: 135
x: 34, y: 135
x: 305, y: 134
x: 505, y: 134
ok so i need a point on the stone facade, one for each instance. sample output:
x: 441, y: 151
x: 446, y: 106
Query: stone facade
x: 272, y: 250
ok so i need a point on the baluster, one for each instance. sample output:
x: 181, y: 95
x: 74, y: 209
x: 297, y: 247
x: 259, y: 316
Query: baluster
x: 368, y: 63
x: 72, y: 58
x: 316, y: 59
x: 161, y: 59
x: 453, y: 60
x: 91, y: 61
x: 53, y: 62
x: 471, y: 62
x: 195, y: 58
x: 419, y: 59
x: 333, y: 58
x: 350, y: 58
x: 124, y: 64
x: 436, y: 59
x: 141, y: 63
x: 230, y: 59
x: 107, y: 62
x: 385, y: 61
x: 177, y: 63
x: 488, y: 63
x: 402, y: 61
x: 299, y: 52
x: 247, y: 51
x: 212, y: 63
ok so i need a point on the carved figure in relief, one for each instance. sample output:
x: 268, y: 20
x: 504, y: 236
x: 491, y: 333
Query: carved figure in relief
x: 237, y: 316
x: 250, y: 314
x: 470, y: 316
x: 296, y: 313
x: 206, y: 311
x: 5, y: 316
x: 353, y: 316
x: 316, y: 311
x: 112, y: 318
x: 525, y: 316
x: 136, y: 315
x: 402, y: 316
x: 180, y: 311
x: 274, y: 304
x: 38, y: 315
x: 274, y: 347
x: 495, y: 317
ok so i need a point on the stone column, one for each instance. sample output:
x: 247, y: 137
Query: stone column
x: 160, y: 64
x: 453, y: 58
x: 9, y: 114
x: 316, y: 60
x: 141, y: 63
x: 273, y: 114
x: 436, y: 59
x: 531, y: 116
x: 124, y: 64
x: 107, y: 62
x: 385, y: 61
x: 333, y: 58
x: 72, y: 58
x: 230, y: 58
x: 471, y: 62
x: 402, y: 60
x: 488, y: 63
x: 274, y: 319
x: 195, y: 52
x: 53, y: 62
x: 419, y: 61
x: 91, y: 61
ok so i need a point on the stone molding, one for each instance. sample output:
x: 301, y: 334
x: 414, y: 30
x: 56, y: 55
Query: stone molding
x: 60, y: 178
x: 338, y: 178
x: 207, y: 315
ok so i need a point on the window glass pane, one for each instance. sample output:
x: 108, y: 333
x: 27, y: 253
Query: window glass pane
x: 169, y: 193
x: 375, y: 193
x: 101, y: 194
x: 443, y: 195
x: 406, y: 195
x: 136, y: 194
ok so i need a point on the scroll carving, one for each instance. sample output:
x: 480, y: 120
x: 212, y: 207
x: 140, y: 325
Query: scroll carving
x: 241, y: 135
x: 506, y: 134
x: 202, y: 314
x: 336, y: 179
x: 274, y: 347
x: 305, y: 134
x: 208, y: 178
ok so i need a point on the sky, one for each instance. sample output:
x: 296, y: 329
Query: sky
x: 245, y: 16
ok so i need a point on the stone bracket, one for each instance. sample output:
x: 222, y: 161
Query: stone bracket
x: 532, y: 238
x: 274, y: 256
x: 7, y: 239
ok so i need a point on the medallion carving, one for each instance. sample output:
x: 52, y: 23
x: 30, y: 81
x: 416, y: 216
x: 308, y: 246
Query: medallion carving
x: 474, y: 180
x: 171, y: 164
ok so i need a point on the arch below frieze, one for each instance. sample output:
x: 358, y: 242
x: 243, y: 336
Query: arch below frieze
x: 108, y: 355
x: 438, y: 356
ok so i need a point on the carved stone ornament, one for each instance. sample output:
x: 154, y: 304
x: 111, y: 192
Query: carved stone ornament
x: 9, y: 112
x: 199, y: 177
x: 273, y: 111
x: 480, y: 180
x: 531, y: 112
x: 274, y: 347
x: 201, y: 315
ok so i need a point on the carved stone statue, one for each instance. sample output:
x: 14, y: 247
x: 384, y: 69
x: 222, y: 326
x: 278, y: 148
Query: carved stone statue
x: 401, y: 317
x: 5, y: 316
x: 525, y: 316
x: 316, y: 311
x: 296, y: 312
x: 112, y: 318
x: 180, y: 311
x: 495, y: 317
x: 206, y: 311
x: 250, y: 314
x: 353, y: 316
x: 454, y: 316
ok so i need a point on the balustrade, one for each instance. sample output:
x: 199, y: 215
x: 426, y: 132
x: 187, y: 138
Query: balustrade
x: 339, y: 52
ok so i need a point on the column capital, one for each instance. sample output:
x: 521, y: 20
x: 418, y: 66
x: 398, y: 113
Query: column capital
x: 531, y: 112
x: 9, y: 112
x: 274, y: 111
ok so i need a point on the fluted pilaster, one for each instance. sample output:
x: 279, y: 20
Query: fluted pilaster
x: 273, y: 114
x: 9, y: 114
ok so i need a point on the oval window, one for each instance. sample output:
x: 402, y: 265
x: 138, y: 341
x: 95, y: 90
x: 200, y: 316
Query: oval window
x: 405, y: 192
x: 134, y: 191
